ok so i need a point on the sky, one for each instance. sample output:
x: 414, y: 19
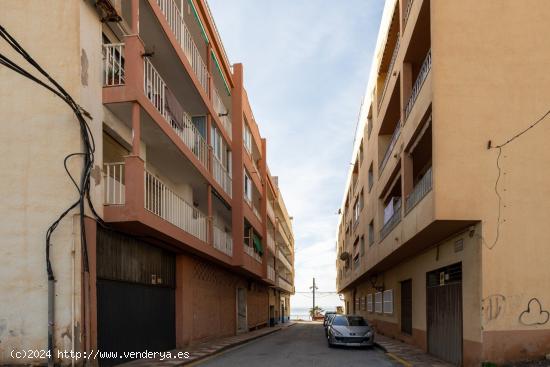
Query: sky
x: 306, y: 66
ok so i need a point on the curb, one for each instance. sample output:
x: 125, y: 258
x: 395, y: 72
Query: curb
x: 381, y: 347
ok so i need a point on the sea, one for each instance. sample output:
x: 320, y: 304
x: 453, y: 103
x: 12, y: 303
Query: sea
x: 302, y: 313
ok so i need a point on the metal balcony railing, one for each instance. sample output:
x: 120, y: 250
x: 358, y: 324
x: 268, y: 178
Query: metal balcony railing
x: 422, y: 75
x: 165, y: 203
x: 390, y: 69
x: 421, y: 189
x: 113, y: 64
x: 166, y: 103
x: 175, y: 20
x: 223, y: 113
x: 392, y: 221
x: 390, y: 147
x: 249, y: 250
x: 113, y: 178
x: 223, y: 240
x: 407, y: 13
x: 222, y: 176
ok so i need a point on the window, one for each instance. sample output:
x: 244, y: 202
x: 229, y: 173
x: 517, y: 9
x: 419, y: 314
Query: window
x: 356, y: 262
x: 247, y: 138
x: 362, y: 245
x: 361, y: 152
x: 369, y: 302
x: 247, y: 187
x: 356, y: 305
x: 371, y: 177
x: 371, y: 233
x: 341, y: 320
x: 378, y: 302
x: 388, y: 301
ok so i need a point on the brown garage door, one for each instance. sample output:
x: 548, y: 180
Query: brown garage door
x: 444, y: 313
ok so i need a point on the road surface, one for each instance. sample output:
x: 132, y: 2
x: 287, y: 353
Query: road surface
x: 301, y: 345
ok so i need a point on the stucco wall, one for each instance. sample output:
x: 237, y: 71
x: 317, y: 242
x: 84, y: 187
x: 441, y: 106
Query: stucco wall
x: 35, y: 187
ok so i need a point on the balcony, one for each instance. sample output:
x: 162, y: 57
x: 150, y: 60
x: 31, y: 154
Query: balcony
x: 282, y: 258
x: 165, y: 203
x: 223, y: 112
x: 392, y: 221
x: 285, y: 285
x: 407, y: 12
x: 222, y: 176
x: 180, y: 30
x: 167, y: 105
x: 417, y: 87
x: 270, y: 242
x: 421, y: 189
x: 113, y: 64
x: 271, y: 273
x: 270, y: 210
x: 390, y: 70
x: 223, y: 240
x: 249, y: 250
x: 113, y: 178
x: 390, y: 147
x: 257, y: 212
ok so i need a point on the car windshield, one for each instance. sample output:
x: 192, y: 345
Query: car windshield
x: 340, y: 321
x: 356, y: 321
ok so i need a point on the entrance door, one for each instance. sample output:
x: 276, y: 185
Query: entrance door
x: 406, y: 306
x: 241, y: 311
x: 444, y: 313
x: 135, y: 296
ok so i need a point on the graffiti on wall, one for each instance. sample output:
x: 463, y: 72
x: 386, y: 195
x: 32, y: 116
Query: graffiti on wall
x: 534, y: 314
x: 493, y: 306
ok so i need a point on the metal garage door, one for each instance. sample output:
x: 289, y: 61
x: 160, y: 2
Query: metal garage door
x: 444, y: 313
x: 135, y: 296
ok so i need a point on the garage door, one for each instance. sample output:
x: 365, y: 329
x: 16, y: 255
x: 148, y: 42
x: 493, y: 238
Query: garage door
x: 135, y: 296
x: 444, y: 303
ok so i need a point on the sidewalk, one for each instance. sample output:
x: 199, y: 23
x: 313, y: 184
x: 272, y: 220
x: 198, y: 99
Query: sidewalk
x: 408, y: 355
x: 207, y: 349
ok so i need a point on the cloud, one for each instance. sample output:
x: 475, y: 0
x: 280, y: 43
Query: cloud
x: 306, y: 65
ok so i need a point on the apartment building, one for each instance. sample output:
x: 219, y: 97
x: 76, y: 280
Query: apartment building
x: 193, y: 240
x: 443, y: 238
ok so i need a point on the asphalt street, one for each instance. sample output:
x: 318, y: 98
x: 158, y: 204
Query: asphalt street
x: 301, y: 345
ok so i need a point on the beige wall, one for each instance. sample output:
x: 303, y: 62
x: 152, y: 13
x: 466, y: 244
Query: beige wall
x: 38, y: 130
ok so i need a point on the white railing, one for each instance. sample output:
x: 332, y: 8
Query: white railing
x: 284, y: 260
x: 180, y: 121
x: 162, y: 201
x: 222, y: 111
x: 390, y: 69
x: 221, y: 175
x: 249, y: 250
x: 223, y: 241
x: 422, y: 75
x: 180, y: 30
x: 270, y: 210
x: 392, y: 221
x: 421, y: 189
x: 390, y: 147
x: 270, y: 273
x: 113, y: 174
x: 270, y: 242
x: 284, y: 284
x: 113, y: 64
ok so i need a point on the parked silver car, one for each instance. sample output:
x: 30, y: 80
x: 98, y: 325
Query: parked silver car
x: 348, y: 330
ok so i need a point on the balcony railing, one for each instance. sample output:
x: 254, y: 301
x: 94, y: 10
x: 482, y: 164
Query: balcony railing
x: 422, y: 75
x: 284, y: 284
x: 284, y: 260
x: 392, y: 221
x: 270, y: 273
x: 223, y: 241
x: 165, y: 102
x: 113, y: 64
x: 222, y: 111
x: 421, y: 189
x: 165, y: 203
x: 390, y: 147
x: 407, y: 13
x: 249, y: 250
x: 174, y: 18
x: 390, y: 69
x: 221, y: 175
x: 113, y: 174
x: 270, y: 242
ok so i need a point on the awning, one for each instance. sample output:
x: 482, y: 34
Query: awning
x: 257, y: 245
